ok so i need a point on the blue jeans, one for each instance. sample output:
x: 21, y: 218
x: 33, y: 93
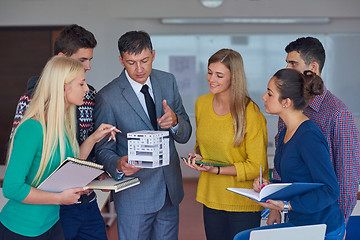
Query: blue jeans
x: 337, y: 234
x: 82, y: 221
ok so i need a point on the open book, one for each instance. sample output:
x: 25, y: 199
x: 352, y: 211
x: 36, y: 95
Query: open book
x: 277, y: 191
x: 112, y: 184
x: 72, y: 173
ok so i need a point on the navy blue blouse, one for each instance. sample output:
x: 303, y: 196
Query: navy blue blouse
x: 305, y: 158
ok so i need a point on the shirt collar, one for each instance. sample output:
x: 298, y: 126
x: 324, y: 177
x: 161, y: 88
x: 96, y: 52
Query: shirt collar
x: 137, y: 86
x: 318, y: 100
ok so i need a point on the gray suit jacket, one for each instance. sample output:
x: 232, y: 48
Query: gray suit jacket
x: 117, y: 104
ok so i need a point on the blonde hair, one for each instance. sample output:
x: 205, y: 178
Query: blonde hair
x: 239, y: 96
x: 48, y: 107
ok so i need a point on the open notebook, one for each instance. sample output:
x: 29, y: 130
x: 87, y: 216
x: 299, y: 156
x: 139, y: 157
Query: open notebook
x: 277, y: 191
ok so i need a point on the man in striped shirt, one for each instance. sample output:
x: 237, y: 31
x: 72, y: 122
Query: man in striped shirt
x: 335, y: 121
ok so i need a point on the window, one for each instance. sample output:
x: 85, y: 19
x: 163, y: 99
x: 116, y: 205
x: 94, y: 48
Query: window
x: 263, y: 55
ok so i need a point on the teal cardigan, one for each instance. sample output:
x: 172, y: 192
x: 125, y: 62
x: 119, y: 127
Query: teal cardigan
x: 28, y: 219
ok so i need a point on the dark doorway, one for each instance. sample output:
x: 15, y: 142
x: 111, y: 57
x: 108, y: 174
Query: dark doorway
x: 24, y: 52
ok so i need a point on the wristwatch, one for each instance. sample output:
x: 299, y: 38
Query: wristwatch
x: 286, y: 207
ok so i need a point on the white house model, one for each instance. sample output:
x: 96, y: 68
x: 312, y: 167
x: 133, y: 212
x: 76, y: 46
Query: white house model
x: 148, y: 149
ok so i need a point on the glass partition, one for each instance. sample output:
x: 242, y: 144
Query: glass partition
x: 263, y: 54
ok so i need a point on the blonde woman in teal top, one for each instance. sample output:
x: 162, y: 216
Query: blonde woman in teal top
x: 45, y: 137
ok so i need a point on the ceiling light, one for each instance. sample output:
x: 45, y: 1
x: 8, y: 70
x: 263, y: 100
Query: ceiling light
x: 211, y: 3
x: 245, y: 20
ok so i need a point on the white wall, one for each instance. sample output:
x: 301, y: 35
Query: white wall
x: 109, y: 19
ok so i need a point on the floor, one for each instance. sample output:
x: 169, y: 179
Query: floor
x: 191, y: 224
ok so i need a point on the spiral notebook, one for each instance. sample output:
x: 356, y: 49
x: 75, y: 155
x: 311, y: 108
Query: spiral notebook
x: 112, y: 184
x: 72, y: 173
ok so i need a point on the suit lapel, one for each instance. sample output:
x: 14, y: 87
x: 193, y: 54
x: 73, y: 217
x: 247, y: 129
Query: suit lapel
x: 131, y: 98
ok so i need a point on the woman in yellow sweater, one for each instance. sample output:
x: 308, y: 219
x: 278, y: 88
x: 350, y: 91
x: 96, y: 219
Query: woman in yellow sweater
x: 231, y: 130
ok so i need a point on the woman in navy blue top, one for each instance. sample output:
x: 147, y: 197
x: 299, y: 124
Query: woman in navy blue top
x: 302, y: 155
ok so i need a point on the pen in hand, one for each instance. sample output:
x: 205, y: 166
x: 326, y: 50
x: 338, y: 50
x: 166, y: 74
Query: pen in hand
x: 261, y: 182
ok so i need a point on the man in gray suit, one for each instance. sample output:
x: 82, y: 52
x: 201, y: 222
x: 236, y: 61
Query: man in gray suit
x: 151, y: 209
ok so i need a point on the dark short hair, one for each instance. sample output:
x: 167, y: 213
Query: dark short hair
x: 134, y: 42
x: 72, y: 38
x: 300, y: 88
x: 310, y: 49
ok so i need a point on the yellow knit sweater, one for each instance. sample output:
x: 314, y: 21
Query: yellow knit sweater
x: 214, y: 135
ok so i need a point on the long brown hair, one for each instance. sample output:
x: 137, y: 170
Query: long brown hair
x: 239, y: 96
